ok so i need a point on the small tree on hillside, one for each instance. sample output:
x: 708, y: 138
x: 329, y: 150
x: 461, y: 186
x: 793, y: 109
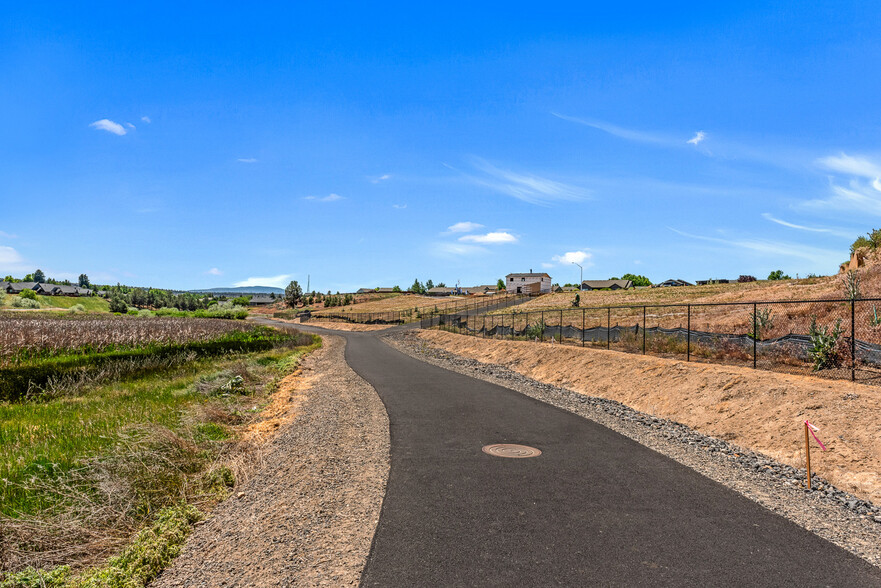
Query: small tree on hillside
x: 778, y: 275
x: 500, y: 285
x: 637, y: 280
x: 293, y: 293
x: 83, y: 281
x: 39, y: 276
x: 429, y: 285
x: 417, y: 288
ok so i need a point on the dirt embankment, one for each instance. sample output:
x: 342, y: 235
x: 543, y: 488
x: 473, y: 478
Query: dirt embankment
x: 307, y: 515
x: 759, y: 410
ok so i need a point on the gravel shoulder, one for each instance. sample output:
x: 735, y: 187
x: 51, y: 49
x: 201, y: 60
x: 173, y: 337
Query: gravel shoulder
x: 307, y: 516
x: 837, y: 516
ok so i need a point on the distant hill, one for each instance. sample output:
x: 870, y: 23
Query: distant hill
x: 240, y: 290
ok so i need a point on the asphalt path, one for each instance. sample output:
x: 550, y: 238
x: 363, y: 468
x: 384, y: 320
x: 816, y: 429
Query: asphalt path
x: 594, y: 508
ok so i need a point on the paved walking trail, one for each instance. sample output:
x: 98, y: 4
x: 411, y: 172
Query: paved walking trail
x: 594, y: 508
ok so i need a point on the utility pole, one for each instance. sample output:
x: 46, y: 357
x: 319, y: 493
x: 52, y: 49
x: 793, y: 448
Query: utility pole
x: 580, y: 283
x: 308, y: 280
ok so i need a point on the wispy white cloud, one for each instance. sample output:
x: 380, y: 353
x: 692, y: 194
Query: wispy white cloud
x: 570, y: 257
x: 247, y: 160
x: 698, y: 137
x: 621, y: 132
x: 109, y: 126
x: 837, y: 232
x: 381, y: 178
x: 328, y: 198
x: 862, y: 192
x: 399, y: 206
x: 464, y: 227
x: 853, y: 166
x: 495, y: 237
x: 9, y: 256
x: 529, y: 188
x: 454, y: 250
x: 772, y: 248
x: 279, y: 281
x: 214, y: 272
x: 6, y: 235
x: 130, y: 125
x: 146, y: 119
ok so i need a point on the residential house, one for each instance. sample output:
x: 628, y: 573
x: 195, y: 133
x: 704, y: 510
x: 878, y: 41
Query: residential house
x: 606, y: 285
x: 441, y: 291
x: 715, y: 281
x: 528, y: 283
x: 18, y: 287
x: 672, y: 283
x: 261, y: 300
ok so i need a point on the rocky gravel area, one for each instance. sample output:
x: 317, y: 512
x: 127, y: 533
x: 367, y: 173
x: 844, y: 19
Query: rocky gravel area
x: 307, y: 518
x: 835, y: 515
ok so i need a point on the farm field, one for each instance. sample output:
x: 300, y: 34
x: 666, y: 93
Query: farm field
x: 141, y: 415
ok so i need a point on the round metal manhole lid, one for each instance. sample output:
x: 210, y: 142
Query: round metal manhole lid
x: 511, y: 450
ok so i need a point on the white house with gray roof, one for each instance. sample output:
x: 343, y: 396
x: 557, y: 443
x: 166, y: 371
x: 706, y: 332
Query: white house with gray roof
x: 528, y: 283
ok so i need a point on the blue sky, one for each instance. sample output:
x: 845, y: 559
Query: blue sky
x: 202, y: 145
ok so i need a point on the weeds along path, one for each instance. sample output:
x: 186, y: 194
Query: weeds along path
x: 307, y: 515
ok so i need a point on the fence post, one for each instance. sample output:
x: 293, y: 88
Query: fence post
x: 755, y: 335
x: 609, y: 328
x: 853, y: 342
x: 643, y: 330
x: 561, y: 326
x: 484, y: 326
x: 688, y: 336
x: 512, y: 326
x: 542, y: 321
x: 582, y: 327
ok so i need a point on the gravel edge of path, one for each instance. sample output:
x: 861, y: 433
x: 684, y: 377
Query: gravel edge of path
x: 834, y: 515
x: 307, y: 518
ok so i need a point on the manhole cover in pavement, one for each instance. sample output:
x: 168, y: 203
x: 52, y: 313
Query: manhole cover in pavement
x: 511, y: 450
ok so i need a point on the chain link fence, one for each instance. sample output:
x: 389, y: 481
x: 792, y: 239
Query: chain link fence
x: 838, y: 339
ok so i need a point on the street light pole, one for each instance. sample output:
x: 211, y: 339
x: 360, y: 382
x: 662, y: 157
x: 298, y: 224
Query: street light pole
x: 581, y: 283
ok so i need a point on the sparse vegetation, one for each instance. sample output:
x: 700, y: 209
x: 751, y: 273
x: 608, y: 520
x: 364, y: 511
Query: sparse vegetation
x: 778, y: 275
x: 760, y: 321
x: 825, y: 352
x: 851, y: 285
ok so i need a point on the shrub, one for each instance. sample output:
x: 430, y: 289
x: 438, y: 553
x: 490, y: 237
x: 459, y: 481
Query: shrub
x: 577, y: 300
x: 117, y: 304
x: 25, y: 302
x: 76, y: 309
x: 824, y: 351
x: 743, y: 279
x: 851, y: 285
x: 778, y: 275
x: 241, y: 300
x: 29, y: 294
x: 536, y: 329
x: 131, y: 310
x: 761, y: 320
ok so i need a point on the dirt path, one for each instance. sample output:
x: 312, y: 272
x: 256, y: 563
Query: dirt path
x: 307, y: 517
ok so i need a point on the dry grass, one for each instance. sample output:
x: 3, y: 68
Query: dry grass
x: 396, y: 304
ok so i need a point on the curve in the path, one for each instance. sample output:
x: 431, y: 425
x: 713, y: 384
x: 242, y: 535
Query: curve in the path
x: 594, y: 508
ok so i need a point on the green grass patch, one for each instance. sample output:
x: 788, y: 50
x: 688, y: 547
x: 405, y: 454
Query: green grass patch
x: 122, y: 455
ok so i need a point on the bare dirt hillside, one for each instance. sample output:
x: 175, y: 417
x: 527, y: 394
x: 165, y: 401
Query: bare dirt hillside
x: 759, y: 410
x: 394, y: 304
